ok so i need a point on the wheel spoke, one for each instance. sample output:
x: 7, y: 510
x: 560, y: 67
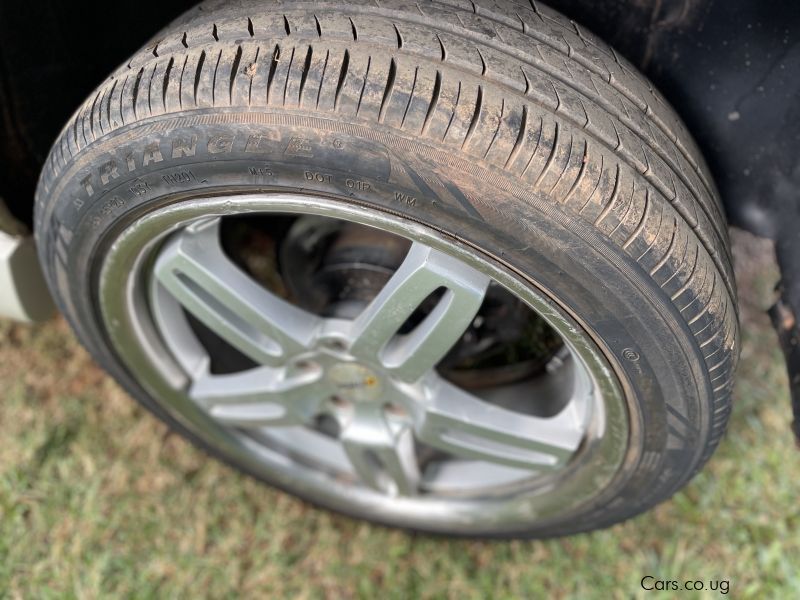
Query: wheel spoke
x: 383, y: 458
x: 408, y: 356
x: 453, y: 420
x: 261, y: 397
x: 195, y: 270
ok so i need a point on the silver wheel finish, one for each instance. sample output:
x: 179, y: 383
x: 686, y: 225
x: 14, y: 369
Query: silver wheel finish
x: 507, y: 470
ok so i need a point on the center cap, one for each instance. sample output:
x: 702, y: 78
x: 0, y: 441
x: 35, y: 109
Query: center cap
x: 355, y: 382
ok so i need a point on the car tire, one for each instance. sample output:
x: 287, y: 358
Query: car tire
x: 502, y: 129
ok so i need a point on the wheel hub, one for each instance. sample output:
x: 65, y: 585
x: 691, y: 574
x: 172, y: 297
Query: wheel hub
x: 354, y: 382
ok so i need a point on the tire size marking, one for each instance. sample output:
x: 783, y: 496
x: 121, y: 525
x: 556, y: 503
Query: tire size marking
x: 179, y: 178
x: 115, y: 204
x: 140, y: 188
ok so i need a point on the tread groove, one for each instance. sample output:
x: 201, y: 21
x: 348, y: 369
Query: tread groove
x: 475, y: 117
x: 497, y: 129
x: 527, y: 81
x: 363, y: 85
x: 180, y: 83
x: 322, y: 78
x: 437, y: 87
x: 75, y: 132
x: 631, y: 202
x: 670, y: 248
x: 387, y: 92
x: 581, y: 172
x: 550, y: 158
x: 453, y: 114
x: 523, y: 126
x: 121, y: 98
x: 214, y: 80
x: 483, y: 62
x: 234, y: 72
x: 91, y: 113
x: 197, y: 73
x: 690, y: 278
x: 165, y: 85
x: 150, y: 89
x: 596, y: 185
x: 410, y: 97
x: 342, y: 76
x: 273, y: 65
x: 707, y: 304
x: 655, y: 236
x: 304, y: 76
x: 642, y: 222
x: 100, y: 112
x: 611, y: 201
x: 136, y: 84
x: 566, y: 164
x: 536, y: 148
x: 353, y: 29
x: 288, y: 71
x: 253, y: 67
x: 108, y: 104
x: 442, y: 48
x: 398, y: 36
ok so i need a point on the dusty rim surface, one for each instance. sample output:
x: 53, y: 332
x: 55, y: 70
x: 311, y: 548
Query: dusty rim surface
x: 598, y: 451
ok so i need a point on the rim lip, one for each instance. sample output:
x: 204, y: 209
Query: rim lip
x: 136, y: 342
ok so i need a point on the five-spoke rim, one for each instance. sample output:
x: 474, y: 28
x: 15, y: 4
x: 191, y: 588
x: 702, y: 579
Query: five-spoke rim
x: 380, y: 385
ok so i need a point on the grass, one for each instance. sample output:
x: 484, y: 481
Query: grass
x: 97, y: 499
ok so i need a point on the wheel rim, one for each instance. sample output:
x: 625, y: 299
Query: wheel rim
x: 503, y: 469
